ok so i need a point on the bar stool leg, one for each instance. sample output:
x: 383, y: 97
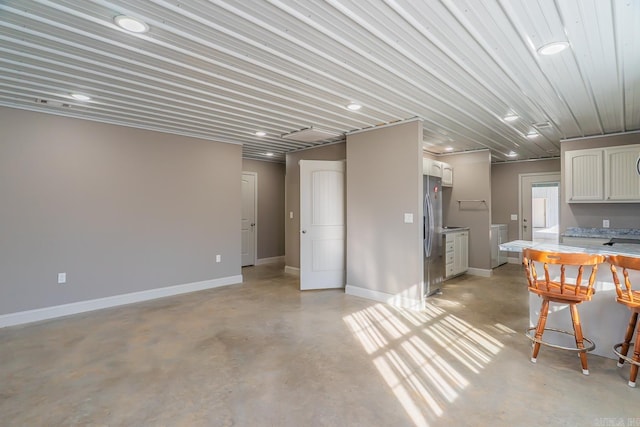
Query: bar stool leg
x: 542, y: 320
x: 627, y: 337
x: 636, y: 358
x: 577, y: 328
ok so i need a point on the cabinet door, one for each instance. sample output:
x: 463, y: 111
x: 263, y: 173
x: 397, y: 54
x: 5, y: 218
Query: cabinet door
x: 431, y: 167
x: 584, y: 176
x: 461, y: 253
x: 622, y: 178
x: 447, y: 175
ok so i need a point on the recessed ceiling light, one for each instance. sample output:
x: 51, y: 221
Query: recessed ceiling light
x: 512, y: 154
x: 511, y: 117
x: 261, y: 133
x: 354, y: 106
x: 533, y: 134
x: 268, y: 154
x: 131, y: 24
x: 80, y: 97
x: 448, y: 149
x: 552, y: 48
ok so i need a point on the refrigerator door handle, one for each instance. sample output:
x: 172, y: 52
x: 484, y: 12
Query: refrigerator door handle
x: 429, y: 218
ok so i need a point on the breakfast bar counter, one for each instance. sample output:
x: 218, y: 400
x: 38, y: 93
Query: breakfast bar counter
x: 603, y: 319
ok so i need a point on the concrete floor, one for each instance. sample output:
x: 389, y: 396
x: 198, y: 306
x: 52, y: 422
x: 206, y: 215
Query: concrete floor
x: 265, y: 354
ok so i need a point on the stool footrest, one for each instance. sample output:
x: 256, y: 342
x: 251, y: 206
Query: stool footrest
x: 616, y: 350
x: 591, y: 346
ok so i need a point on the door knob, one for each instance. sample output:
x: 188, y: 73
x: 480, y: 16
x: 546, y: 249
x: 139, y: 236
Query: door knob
x: 304, y: 231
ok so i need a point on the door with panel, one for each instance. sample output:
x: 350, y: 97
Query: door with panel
x: 248, y: 226
x: 322, y: 224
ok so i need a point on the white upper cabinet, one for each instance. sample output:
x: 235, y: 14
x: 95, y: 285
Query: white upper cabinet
x: 583, y: 176
x: 600, y: 175
x: 431, y: 167
x: 622, y: 178
x: 447, y: 175
x: 440, y: 169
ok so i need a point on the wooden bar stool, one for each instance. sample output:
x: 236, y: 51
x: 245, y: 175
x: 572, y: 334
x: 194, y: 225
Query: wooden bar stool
x: 562, y: 291
x: 631, y: 299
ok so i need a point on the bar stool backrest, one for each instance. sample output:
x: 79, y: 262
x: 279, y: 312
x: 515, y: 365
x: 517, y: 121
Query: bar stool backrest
x: 627, y: 295
x: 562, y: 287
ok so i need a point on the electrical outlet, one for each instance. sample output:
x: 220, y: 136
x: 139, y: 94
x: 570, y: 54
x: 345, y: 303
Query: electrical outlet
x: 62, y: 278
x: 514, y: 217
x: 218, y: 258
x: 605, y: 223
x: 290, y: 214
x: 408, y: 218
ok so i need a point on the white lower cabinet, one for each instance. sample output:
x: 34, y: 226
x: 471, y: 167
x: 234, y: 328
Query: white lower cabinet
x: 456, y: 253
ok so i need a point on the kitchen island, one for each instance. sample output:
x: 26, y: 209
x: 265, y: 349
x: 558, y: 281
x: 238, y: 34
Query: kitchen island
x: 604, y: 321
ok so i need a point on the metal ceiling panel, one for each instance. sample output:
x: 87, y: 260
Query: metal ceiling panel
x: 224, y: 69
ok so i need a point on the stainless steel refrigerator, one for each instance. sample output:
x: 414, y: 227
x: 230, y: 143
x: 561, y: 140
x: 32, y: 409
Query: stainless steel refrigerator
x: 432, y: 234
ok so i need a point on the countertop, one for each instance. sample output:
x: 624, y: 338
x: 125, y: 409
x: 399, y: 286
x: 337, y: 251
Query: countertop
x: 454, y: 229
x: 628, y: 249
x: 602, y: 233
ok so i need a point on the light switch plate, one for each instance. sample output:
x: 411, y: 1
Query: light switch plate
x: 62, y: 278
x: 408, y: 218
x: 605, y: 223
x: 290, y: 214
x: 514, y: 217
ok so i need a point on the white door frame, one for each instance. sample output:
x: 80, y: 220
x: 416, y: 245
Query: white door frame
x: 312, y: 276
x: 534, y: 174
x: 255, y: 217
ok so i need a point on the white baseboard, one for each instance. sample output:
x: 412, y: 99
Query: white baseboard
x: 45, y: 313
x: 396, y: 300
x: 271, y: 260
x: 514, y: 260
x: 482, y: 272
x: 292, y: 270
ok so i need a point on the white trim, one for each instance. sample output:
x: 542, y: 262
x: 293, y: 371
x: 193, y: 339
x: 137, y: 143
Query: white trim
x: 399, y: 122
x: 255, y: 216
x: 579, y: 138
x: 514, y: 260
x: 541, y: 175
x: 45, y: 313
x: 271, y: 260
x: 70, y: 114
x: 292, y: 270
x: 395, y: 300
x: 482, y: 272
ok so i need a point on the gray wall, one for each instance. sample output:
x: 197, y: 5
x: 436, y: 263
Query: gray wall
x: 118, y: 209
x: 620, y: 215
x: 384, y: 181
x: 471, y: 181
x: 292, y: 183
x: 504, y: 189
x: 270, y: 221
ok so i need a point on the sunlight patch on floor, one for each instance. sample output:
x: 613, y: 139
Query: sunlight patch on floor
x: 423, y: 356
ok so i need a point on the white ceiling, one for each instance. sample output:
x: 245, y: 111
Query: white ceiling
x: 223, y: 70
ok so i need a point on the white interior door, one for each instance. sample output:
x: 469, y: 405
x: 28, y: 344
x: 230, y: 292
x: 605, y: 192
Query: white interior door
x: 322, y: 230
x: 526, y: 200
x: 248, y: 223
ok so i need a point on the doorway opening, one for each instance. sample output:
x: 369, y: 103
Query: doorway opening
x: 545, y: 221
x: 539, y: 201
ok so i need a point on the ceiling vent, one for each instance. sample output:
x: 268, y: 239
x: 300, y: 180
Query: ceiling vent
x: 52, y: 103
x: 542, y: 125
x: 311, y: 135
